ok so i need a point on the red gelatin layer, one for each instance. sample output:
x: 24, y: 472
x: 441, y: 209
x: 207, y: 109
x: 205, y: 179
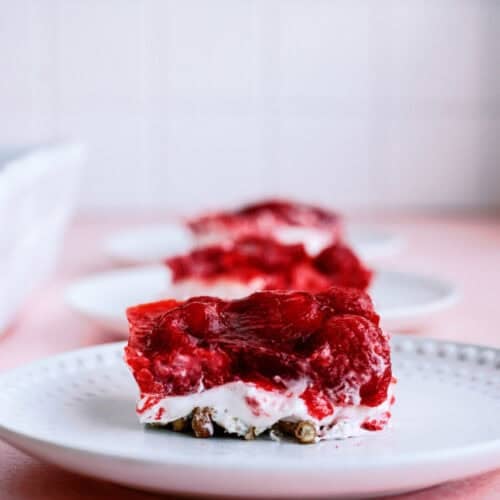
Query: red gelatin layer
x: 281, y: 267
x: 331, y: 339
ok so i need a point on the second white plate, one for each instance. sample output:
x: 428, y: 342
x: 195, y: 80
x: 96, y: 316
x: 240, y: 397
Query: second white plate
x: 403, y: 300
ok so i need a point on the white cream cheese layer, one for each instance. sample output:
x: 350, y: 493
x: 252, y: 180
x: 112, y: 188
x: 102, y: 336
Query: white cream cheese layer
x: 314, y: 239
x: 223, y: 288
x: 237, y: 406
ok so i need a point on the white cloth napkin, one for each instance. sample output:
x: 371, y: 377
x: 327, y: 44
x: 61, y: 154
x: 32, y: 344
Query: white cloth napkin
x: 37, y: 195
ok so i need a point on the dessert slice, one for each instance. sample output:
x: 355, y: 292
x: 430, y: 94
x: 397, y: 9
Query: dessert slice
x: 314, y: 366
x: 254, y: 263
x: 287, y: 221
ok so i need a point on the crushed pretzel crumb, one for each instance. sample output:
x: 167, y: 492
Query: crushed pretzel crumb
x: 305, y: 432
x: 250, y: 434
x: 201, y: 423
x: 287, y: 427
x: 180, y: 425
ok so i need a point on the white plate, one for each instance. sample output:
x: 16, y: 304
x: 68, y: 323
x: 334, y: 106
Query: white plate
x: 149, y: 243
x: 372, y: 243
x: 403, y: 300
x: 76, y: 410
x: 408, y: 300
x: 153, y: 243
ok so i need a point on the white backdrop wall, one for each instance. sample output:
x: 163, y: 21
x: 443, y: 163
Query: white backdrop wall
x: 189, y: 103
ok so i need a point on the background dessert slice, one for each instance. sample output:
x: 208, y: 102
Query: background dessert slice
x: 287, y: 221
x: 272, y: 359
x: 253, y: 263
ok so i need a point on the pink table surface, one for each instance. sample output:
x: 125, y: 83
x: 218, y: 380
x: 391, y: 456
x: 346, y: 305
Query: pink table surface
x: 463, y: 249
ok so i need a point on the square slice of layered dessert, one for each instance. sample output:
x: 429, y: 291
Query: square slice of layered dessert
x: 255, y: 263
x: 314, y: 366
x: 287, y: 221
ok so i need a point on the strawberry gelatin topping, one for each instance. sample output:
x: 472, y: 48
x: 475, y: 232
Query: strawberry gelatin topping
x: 280, y: 266
x: 330, y: 339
